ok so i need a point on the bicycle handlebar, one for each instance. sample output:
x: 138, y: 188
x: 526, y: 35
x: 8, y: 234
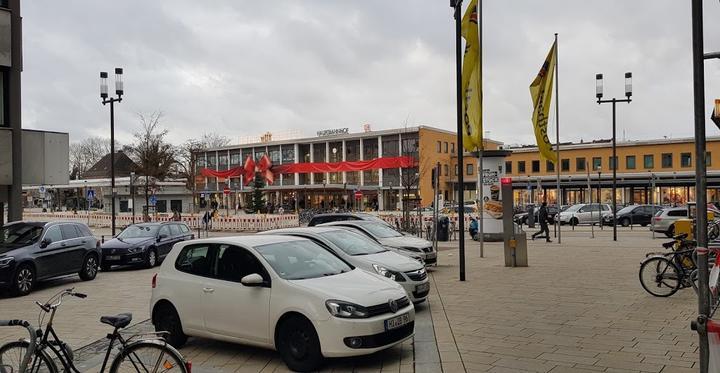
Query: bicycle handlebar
x: 47, y: 307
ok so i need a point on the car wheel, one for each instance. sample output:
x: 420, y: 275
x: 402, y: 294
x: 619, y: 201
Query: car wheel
x: 24, y: 280
x: 671, y: 231
x: 166, y: 319
x: 574, y: 221
x: 625, y: 222
x: 89, y: 269
x: 298, y: 344
x: 151, y: 258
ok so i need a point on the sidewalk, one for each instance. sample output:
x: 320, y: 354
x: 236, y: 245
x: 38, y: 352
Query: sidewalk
x: 579, y: 307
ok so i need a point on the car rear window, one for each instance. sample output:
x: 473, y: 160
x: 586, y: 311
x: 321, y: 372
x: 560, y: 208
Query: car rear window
x: 184, y: 228
x: 194, y: 259
x: 677, y: 213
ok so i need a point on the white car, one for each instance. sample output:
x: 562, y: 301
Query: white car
x: 584, y: 213
x: 409, y: 246
x: 365, y: 253
x: 279, y: 292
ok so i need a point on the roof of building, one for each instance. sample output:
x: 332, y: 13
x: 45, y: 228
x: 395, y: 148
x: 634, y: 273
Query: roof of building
x: 101, y: 169
x: 606, y: 143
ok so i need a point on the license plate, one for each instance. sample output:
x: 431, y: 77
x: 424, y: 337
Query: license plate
x: 112, y: 257
x: 422, y: 287
x: 397, y: 321
x: 431, y: 256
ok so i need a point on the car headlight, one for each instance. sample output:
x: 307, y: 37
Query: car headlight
x: 346, y: 310
x: 6, y: 261
x: 382, y: 271
x: 134, y: 250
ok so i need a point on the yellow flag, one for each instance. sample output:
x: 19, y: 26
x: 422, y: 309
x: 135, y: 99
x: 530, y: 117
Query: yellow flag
x: 472, y: 81
x: 541, y: 92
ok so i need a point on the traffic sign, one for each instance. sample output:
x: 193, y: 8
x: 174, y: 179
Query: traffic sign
x: 42, y: 189
x: 153, y: 200
x: 91, y: 194
x: 358, y: 194
x: 226, y: 190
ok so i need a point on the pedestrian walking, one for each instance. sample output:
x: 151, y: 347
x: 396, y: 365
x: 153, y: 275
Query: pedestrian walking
x: 543, y: 220
x: 473, y: 228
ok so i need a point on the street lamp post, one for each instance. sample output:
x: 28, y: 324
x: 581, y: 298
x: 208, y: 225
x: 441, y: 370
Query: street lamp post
x: 112, y: 100
x: 613, y: 101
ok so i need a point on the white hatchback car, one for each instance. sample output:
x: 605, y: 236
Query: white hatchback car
x: 279, y: 292
x: 364, y: 253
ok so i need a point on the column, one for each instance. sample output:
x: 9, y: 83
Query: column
x: 380, y: 173
x: 327, y: 159
x: 312, y: 159
x: 362, y: 158
x: 344, y: 173
x: 297, y: 175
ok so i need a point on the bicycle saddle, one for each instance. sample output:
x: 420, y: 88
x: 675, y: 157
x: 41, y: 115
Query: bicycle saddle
x: 668, y: 245
x: 680, y: 236
x: 119, y: 321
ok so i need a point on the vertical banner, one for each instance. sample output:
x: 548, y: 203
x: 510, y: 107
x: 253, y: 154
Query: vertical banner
x: 472, y: 80
x: 541, y: 92
x: 492, y: 196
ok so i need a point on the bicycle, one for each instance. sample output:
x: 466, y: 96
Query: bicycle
x: 713, y: 230
x: 24, y: 360
x: 663, y: 274
x: 146, y: 352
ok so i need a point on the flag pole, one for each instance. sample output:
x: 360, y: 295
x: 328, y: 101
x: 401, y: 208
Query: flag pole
x: 481, y: 215
x: 460, y: 149
x: 558, y: 194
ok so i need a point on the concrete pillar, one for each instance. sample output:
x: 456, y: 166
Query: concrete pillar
x: 15, y: 202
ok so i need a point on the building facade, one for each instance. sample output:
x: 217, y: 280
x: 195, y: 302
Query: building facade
x: 372, y: 188
x: 658, y: 171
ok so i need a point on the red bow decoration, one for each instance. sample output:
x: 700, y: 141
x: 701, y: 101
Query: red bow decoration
x: 263, y: 166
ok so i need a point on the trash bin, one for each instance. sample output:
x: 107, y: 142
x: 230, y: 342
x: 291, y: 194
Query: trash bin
x: 443, y: 228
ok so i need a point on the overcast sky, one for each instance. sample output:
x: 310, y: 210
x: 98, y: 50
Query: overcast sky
x: 240, y: 68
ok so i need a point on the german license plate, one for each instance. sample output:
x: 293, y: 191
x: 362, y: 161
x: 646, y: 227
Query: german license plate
x: 422, y: 287
x: 112, y: 257
x: 397, y: 321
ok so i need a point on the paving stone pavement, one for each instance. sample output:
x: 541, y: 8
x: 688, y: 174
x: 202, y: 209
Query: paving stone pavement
x: 578, y: 307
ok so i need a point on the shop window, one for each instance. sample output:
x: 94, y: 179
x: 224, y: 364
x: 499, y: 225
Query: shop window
x: 685, y: 160
x: 630, y: 162
x: 648, y: 161
x: 667, y: 160
x: 535, y: 166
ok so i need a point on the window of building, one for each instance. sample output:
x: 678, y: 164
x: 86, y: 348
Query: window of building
x: 452, y: 147
x: 565, y: 165
x: 319, y: 156
x: 597, y: 163
x: 549, y: 166
x: 235, y: 159
x: 521, y: 167
x: 439, y: 146
x: 508, y: 167
x: 469, y: 168
x: 630, y: 162
x: 685, y: 160
x: 648, y: 161
x: 456, y: 170
x: 612, y: 162
x: 580, y: 164
x: 445, y: 170
x: 535, y: 166
x: 708, y: 159
x: 446, y: 146
x: 390, y: 146
x: 667, y: 160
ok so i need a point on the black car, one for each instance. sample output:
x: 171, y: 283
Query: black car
x: 633, y: 215
x: 521, y: 218
x: 36, y: 251
x: 146, y: 244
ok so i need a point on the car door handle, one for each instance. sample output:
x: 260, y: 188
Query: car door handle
x: 208, y: 290
x: 63, y: 244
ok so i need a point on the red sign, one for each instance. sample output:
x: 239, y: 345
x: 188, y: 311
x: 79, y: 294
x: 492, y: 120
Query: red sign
x: 358, y: 194
x: 505, y: 180
x: 226, y: 191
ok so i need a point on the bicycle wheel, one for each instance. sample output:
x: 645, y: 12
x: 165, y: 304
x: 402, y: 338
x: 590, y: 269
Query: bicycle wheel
x: 148, y: 357
x: 11, y: 355
x: 660, y: 277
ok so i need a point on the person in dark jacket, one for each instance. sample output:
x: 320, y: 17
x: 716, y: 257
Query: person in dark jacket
x: 543, y: 220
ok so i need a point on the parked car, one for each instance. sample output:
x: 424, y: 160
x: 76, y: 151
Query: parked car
x: 344, y: 216
x: 364, y: 253
x: 584, y: 213
x: 664, y: 220
x: 521, y: 218
x: 146, y: 244
x: 413, y: 247
x: 280, y: 292
x: 35, y: 251
x: 633, y: 214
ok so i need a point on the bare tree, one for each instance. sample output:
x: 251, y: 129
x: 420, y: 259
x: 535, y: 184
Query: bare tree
x: 85, y: 153
x: 214, y: 140
x: 186, y: 157
x: 410, y: 176
x: 154, y: 156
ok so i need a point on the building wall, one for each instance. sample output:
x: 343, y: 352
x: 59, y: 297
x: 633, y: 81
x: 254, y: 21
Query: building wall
x: 430, y: 157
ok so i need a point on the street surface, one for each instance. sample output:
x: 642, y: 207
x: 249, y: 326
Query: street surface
x: 578, y: 307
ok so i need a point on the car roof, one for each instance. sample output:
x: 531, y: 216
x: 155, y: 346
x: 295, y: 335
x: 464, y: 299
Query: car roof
x: 249, y: 240
x: 35, y: 223
x: 316, y: 229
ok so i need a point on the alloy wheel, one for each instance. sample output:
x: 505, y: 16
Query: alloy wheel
x: 91, y: 267
x: 24, y: 280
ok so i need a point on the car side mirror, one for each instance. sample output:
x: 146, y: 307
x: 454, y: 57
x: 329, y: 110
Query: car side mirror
x: 162, y: 237
x: 44, y: 243
x: 253, y: 280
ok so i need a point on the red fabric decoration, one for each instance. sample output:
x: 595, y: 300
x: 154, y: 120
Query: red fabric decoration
x: 249, y: 170
x: 264, y: 166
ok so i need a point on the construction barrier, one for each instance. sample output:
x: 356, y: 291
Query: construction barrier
x: 238, y: 223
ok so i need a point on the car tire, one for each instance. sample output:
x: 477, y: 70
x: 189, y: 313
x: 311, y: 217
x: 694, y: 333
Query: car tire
x: 625, y: 222
x: 671, y: 231
x: 298, y: 344
x: 151, y: 258
x: 23, y: 281
x: 90, y: 268
x: 166, y: 318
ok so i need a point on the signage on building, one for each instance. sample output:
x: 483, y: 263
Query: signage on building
x: 90, y: 194
x: 153, y: 200
x: 333, y: 132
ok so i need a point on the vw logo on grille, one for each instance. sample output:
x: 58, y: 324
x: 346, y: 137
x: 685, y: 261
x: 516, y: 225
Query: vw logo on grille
x: 393, y: 305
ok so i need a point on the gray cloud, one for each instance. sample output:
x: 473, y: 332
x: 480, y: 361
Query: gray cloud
x: 241, y: 68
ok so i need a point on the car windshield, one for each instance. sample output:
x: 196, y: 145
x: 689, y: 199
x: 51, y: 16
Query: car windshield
x: 20, y: 234
x: 381, y: 230
x: 138, y: 231
x: 627, y: 210
x: 300, y: 260
x: 574, y: 208
x: 352, y: 243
